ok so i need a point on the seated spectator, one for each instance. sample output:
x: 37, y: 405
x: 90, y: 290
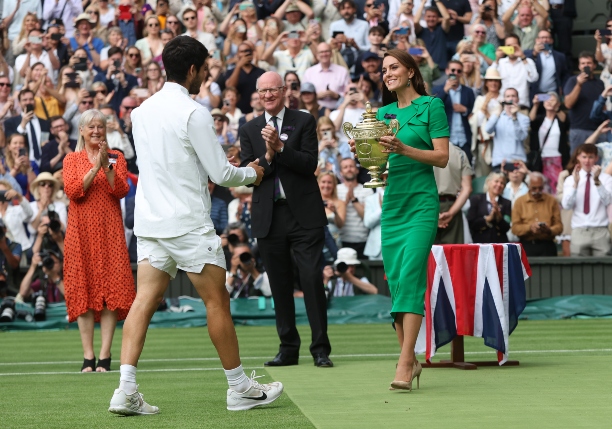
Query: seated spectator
x: 549, y: 137
x: 550, y: 64
x: 229, y: 108
x: 153, y: 81
x: 458, y: 103
x: 526, y: 28
x: 516, y: 70
x: 60, y: 145
x: 45, y: 189
x: 350, y: 110
x: 295, y: 57
x: 329, y: 79
x: 489, y: 215
x: 345, y: 280
x: 16, y: 161
x: 222, y: 129
x: 536, y: 219
x: 335, y: 209
x: 258, y: 109
x: 10, y: 258
x: 295, y: 14
x: 243, y: 76
x: 588, y: 192
x: 485, y: 105
x: 511, y: 128
x: 244, y: 279
x: 85, y: 39
x: 117, y: 78
x: 218, y: 210
x: 309, y: 101
x: 151, y: 46
x: 115, y: 136
x: 435, y: 33
x: 15, y: 216
x: 516, y: 187
x: 115, y: 38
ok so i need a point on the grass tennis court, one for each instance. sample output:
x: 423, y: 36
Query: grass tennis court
x: 563, y: 381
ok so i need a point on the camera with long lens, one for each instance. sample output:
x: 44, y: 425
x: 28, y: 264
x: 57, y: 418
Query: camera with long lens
x: 7, y: 310
x: 246, y: 258
x: 341, y: 267
x: 233, y: 239
x: 47, y: 260
x: 39, y: 302
x: 54, y: 220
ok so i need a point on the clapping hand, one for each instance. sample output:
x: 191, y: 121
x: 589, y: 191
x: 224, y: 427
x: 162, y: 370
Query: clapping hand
x: 102, y: 155
x: 270, y: 136
x: 576, y: 175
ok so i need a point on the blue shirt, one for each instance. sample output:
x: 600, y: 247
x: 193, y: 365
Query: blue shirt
x: 547, y: 77
x: 457, y: 133
x: 435, y: 42
x: 509, y: 137
x: 97, y: 44
x: 218, y: 214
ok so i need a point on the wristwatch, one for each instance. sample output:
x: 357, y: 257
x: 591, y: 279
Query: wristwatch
x: 355, y: 200
x: 109, y: 168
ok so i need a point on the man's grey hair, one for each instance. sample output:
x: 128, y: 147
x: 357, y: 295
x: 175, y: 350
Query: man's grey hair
x: 536, y: 175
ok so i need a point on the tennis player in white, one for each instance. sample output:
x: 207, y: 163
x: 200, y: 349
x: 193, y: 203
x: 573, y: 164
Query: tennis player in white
x: 177, y: 152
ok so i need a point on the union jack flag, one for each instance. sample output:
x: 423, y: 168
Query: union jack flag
x: 476, y: 290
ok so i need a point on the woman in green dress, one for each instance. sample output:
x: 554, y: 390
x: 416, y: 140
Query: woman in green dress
x: 411, y: 206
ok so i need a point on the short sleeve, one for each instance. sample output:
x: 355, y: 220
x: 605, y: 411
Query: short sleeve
x: 569, y: 85
x: 438, y: 121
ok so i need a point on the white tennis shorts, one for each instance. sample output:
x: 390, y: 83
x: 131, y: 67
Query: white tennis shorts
x: 189, y: 252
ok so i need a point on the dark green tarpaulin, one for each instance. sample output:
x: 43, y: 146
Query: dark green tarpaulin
x: 357, y: 309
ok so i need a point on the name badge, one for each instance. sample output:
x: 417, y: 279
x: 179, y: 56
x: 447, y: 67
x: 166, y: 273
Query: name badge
x: 284, y: 137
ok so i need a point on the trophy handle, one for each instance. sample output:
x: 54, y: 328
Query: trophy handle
x: 394, y: 126
x: 347, y: 127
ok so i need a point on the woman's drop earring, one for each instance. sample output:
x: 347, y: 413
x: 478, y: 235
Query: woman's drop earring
x: 408, y: 84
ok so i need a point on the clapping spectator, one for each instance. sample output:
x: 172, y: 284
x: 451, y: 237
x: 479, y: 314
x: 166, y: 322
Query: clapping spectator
x: 328, y: 78
x: 84, y: 101
x: 489, y: 213
x: 58, y: 146
x: 98, y: 30
x: 23, y: 22
x: 471, y: 77
x: 224, y: 134
x: 335, y: 209
x: 526, y: 28
x: 481, y: 46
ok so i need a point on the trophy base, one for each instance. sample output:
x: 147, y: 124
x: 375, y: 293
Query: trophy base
x: 375, y: 183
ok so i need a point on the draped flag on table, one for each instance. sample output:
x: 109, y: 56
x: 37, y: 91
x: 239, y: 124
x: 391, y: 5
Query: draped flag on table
x: 476, y: 290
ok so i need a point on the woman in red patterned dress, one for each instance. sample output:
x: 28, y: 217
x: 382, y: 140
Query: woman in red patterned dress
x: 98, y: 278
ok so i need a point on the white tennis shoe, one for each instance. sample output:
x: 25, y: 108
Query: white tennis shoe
x: 130, y: 405
x: 255, y: 396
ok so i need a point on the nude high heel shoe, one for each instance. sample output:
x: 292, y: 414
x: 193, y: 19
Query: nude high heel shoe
x: 407, y: 385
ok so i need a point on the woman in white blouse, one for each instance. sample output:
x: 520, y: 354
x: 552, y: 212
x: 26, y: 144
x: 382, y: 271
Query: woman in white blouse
x: 14, y: 216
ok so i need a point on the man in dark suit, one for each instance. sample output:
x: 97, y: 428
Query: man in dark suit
x: 60, y: 145
x: 29, y: 125
x: 288, y: 216
x: 458, y: 103
x: 551, y: 66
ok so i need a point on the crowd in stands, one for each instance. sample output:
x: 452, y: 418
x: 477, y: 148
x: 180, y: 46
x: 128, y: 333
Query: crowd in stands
x: 524, y: 114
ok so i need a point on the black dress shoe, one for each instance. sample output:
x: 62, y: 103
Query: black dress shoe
x: 282, y: 359
x: 322, y: 360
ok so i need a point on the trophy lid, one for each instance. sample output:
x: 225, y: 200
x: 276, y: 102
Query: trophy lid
x: 369, y: 117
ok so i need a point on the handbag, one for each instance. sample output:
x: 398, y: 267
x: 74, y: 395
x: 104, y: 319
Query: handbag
x: 534, y: 159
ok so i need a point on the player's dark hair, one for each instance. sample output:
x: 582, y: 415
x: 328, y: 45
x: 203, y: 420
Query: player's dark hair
x: 180, y: 54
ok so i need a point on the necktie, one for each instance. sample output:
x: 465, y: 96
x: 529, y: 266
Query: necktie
x: 34, y: 142
x: 277, y: 192
x: 587, y: 195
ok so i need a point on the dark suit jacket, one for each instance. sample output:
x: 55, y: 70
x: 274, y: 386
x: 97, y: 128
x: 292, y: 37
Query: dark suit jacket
x: 11, y: 124
x: 49, y: 151
x: 467, y: 100
x: 481, y: 233
x: 120, y: 91
x: 561, y: 75
x: 295, y: 168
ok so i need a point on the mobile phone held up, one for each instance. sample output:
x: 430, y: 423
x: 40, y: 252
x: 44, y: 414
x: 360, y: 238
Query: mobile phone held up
x: 543, y: 97
x: 402, y: 31
x: 415, y: 51
x: 605, y: 32
x: 508, y: 50
x: 81, y: 65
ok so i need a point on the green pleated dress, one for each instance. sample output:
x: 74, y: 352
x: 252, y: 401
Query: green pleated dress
x: 411, y: 206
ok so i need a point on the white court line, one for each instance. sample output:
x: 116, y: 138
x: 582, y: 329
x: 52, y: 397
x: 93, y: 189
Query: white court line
x: 115, y: 372
x: 306, y: 357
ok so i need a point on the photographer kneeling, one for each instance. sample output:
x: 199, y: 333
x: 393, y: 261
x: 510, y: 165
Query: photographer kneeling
x: 244, y: 279
x: 10, y: 257
x: 342, y: 281
x: 44, y: 280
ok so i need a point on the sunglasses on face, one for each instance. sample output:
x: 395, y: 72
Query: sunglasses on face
x: 171, y: 22
x: 189, y: 18
x: 479, y: 32
x: 101, y: 91
x: 133, y: 55
x: 155, y: 24
x: 3, y: 84
x: 86, y: 102
x: 456, y: 71
x: 46, y: 184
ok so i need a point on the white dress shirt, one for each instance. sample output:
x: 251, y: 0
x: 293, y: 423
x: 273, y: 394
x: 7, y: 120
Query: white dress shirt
x: 67, y: 10
x: 600, y: 198
x: 39, y: 137
x: 177, y: 151
x: 279, y: 123
x: 517, y: 75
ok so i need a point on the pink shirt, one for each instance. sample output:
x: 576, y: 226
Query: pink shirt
x: 337, y: 77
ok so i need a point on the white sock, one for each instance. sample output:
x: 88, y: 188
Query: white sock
x: 237, y: 379
x: 127, y: 382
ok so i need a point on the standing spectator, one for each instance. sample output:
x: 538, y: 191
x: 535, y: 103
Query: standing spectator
x: 511, y: 128
x: 115, y: 136
x: 562, y: 14
x: 58, y: 147
x: 536, y: 219
x: 218, y: 209
x: 335, y: 208
x: 294, y: 13
x: 84, y: 38
x: 354, y: 233
x: 15, y: 216
x: 549, y: 137
x: 603, y: 53
x: 329, y: 79
x: 458, y: 103
x: 527, y: 29
x: 489, y: 17
x: 190, y: 20
x: 107, y: 13
x: 550, y: 64
x: 489, y: 213
x: 151, y: 46
x: 73, y: 114
x: 566, y: 215
x: 326, y: 12
x: 133, y: 62
x: 19, y: 10
x: 516, y: 70
x: 17, y: 169
x: 244, y: 77
x: 29, y: 125
x: 460, y: 13
x: 56, y: 47
x: 481, y: 46
x: 36, y: 54
x: 516, y: 187
x: 350, y: 110
x: 355, y: 30
x: 116, y: 78
x: 294, y: 58
x: 375, y: 14
x: 125, y: 114
x: 435, y: 34
x: 99, y: 288
x: 588, y: 192
x: 581, y: 92
x: 454, y: 188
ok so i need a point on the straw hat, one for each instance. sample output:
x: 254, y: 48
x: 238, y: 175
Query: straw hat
x: 44, y: 177
x: 492, y: 74
x: 83, y: 17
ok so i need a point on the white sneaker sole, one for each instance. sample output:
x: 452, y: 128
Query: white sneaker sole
x: 125, y: 411
x: 253, y: 403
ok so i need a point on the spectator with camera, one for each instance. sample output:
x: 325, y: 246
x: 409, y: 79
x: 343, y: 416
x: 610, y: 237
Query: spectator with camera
x: 72, y: 115
x: 60, y: 144
x: 511, y: 128
x: 550, y: 64
x: 44, y: 279
x: 10, y: 258
x: 16, y: 161
x: 230, y: 108
x: 328, y: 145
x: 295, y: 57
x: 36, y: 54
x: 53, y: 42
x: 335, y: 208
x: 350, y: 30
x: 15, y: 216
x: 244, y: 278
x: 116, y: 78
x: 536, y: 219
x: 83, y: 67
x: 342, y: 281
x: 44, y: 189
x: 243, y: 77
x: 224, y: 135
